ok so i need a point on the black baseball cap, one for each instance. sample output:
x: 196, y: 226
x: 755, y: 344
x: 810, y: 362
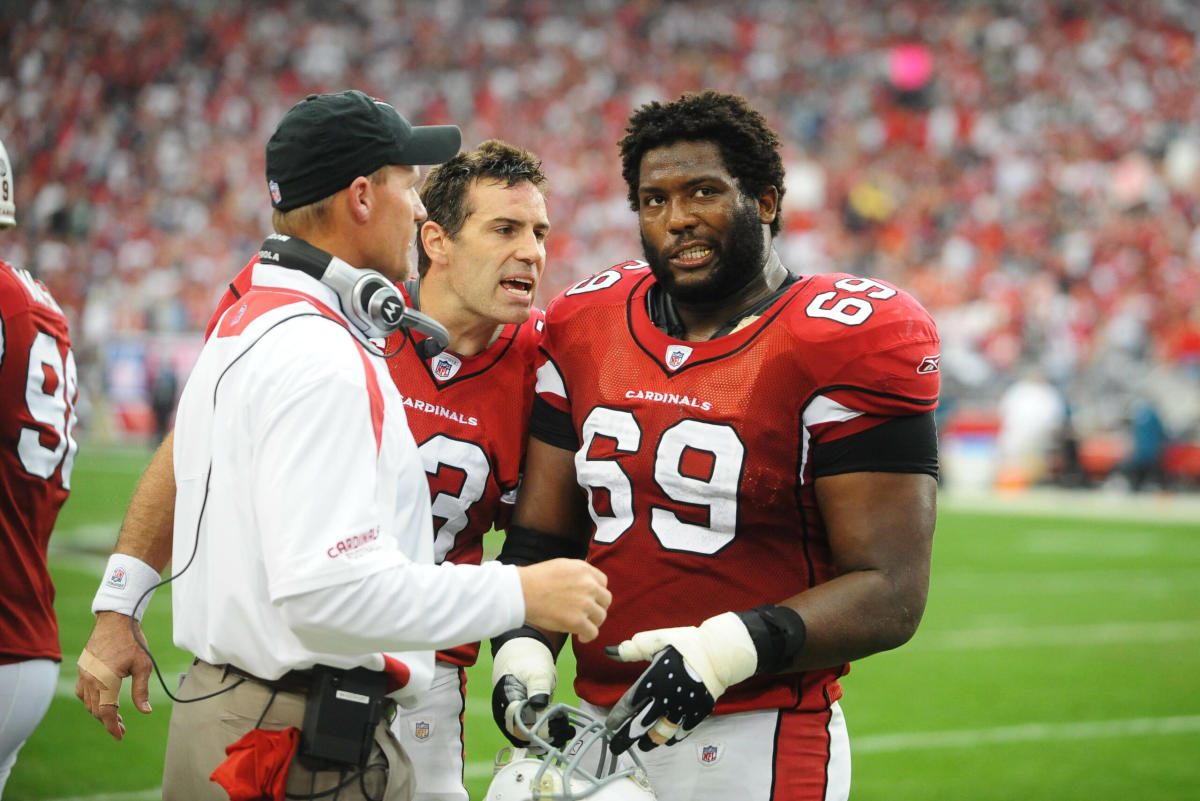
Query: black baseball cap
x: 326, y: 141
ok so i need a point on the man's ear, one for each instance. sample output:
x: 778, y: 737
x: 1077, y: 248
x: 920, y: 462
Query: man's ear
x: 768, y: 205
x: 435, y: 241
x: 359, y: 199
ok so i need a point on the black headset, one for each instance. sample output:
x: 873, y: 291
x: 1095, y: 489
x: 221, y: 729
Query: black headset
x: 368, y: 298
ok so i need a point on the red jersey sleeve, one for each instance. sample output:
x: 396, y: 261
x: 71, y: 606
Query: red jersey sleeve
x: 875, y: 354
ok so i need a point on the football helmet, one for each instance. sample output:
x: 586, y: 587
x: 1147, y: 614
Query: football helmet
x: 8, y: 209
x: 583, y: 768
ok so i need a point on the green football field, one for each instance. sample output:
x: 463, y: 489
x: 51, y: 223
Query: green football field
x: 1059, y: 658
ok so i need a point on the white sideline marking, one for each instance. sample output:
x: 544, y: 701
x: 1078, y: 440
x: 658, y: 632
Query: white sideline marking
x: 967, y: 738
x: 1133, y: 581
x: 68, y: 675
x: 1040, y: 636
x: 1024, y: 733
x: 1177, y: 507
x: 151, y: 794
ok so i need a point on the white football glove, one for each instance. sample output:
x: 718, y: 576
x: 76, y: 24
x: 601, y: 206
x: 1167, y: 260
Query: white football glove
x: 654, y: 710
x: 523, y: 669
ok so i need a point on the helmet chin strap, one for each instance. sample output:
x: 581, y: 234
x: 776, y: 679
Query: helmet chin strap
x: 368, y: 298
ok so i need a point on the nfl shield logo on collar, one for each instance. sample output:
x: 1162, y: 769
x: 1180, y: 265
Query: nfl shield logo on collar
x: 677, y: 355
x: 445, y: 365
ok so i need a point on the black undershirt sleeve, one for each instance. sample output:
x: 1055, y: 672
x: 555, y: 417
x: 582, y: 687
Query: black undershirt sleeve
x: 552, y: 426
x: 900, y: 445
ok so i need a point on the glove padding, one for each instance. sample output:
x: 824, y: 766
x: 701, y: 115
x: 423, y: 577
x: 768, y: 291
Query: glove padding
x: 691, y: 668
x: 523, y: 670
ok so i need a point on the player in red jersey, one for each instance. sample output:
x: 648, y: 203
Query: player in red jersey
x: 480, y: 257
x: 750, y: 457
x: 38, y: 390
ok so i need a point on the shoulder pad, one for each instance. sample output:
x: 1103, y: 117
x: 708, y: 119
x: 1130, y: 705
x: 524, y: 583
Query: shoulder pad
x: 613, y: 284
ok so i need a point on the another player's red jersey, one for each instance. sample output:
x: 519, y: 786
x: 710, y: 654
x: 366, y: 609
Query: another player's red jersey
x: 696, y: 456
x: 38, y: 390
x: 469, y: 417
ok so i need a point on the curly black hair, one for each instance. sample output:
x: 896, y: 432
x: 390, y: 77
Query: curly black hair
x: 747, y: 144
x: 444, y: 193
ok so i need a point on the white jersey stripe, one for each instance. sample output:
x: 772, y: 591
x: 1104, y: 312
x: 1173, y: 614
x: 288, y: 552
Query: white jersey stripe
x: 549, y: 381
x: 821, y: 410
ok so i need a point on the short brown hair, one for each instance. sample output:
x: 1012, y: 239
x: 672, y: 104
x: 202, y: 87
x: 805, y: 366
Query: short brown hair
x: 444, y: 192
x: 304, y: 219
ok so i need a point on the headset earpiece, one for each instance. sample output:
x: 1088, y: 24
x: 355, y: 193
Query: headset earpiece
x: 370, y: 301
x: 368, y: 298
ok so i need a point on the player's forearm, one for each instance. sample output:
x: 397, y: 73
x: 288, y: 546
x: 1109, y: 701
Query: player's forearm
x: 146, y: 532
x: 880, y: 529
x: 855, y: 615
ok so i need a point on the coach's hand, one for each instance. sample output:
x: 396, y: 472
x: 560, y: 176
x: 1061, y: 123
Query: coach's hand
x: 692, y: 666
x: 566, y: 595
x: 112, y: 651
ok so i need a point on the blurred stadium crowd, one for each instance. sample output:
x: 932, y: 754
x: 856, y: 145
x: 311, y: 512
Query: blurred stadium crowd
x: 1029, y: 169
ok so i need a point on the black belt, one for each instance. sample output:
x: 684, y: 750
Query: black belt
x: 294, y: 681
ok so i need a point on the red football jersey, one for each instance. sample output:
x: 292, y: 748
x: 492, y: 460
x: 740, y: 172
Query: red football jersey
x: 695, y: 456
x: 469, y: 417
x: 38, y: 390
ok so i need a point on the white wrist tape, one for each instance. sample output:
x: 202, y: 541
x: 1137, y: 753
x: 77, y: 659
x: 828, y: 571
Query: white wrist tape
x: 530, y: 661
x: 126, y: 579
x: 719, y: 651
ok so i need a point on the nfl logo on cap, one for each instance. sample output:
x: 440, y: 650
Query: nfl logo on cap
x: 275, y: 194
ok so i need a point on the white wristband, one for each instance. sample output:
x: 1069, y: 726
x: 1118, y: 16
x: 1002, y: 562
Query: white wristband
x: 126, y: 579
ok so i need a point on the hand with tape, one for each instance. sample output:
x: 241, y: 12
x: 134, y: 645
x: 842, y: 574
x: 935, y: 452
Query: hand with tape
x: 110, y: 655
x: 523, y: 670
x: 690, y: 669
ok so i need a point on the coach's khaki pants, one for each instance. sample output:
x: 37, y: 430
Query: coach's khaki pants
x: 200, y: 731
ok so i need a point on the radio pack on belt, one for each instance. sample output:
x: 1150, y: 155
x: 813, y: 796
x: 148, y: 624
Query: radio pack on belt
x: 343, y: 709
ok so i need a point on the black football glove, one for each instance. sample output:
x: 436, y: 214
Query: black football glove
x: 691, y: 667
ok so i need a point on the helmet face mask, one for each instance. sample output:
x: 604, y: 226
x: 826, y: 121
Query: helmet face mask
x: 583, y: 768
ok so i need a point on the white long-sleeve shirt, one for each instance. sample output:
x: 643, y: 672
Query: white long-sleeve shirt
x: 298, y: 476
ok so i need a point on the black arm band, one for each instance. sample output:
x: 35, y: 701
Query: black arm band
x: 552, y: 426
x: 899, y: 445
x: 778, y: 634
x: 524, y: 546
x: 522, y: 631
